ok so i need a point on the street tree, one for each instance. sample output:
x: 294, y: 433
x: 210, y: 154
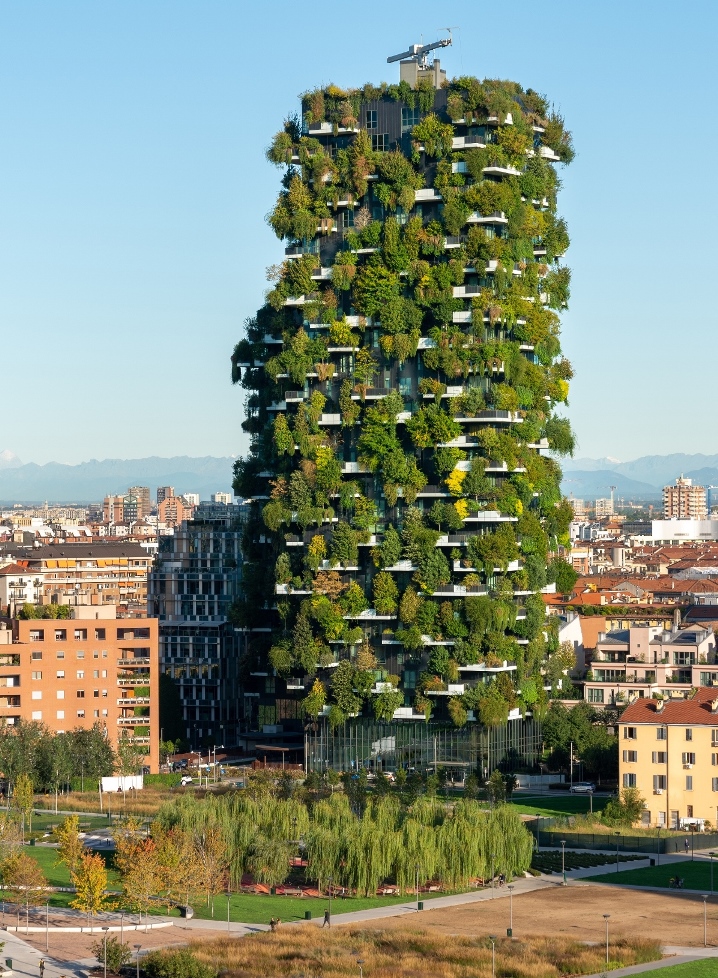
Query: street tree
x: 90, y: 882
x: 70, y: 848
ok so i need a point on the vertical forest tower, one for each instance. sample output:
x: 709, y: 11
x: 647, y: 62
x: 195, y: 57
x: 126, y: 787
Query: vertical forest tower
x: 402, y: 380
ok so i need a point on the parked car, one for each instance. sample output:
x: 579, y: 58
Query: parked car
x: 583, y: 787
x: 186, y: 779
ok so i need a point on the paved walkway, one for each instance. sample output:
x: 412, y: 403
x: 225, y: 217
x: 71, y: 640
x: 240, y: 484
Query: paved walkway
x: 678, y: 955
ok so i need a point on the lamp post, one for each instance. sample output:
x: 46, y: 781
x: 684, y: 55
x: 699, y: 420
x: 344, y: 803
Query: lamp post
x: 605, y: 917
x: 618, y: 836
x: 538, y: 832
x: 511, y: 910
x: 563, y: 860
x: 228, y: 900
x: 104, y: 948
x: 329, y: 882
x: 122, y: 927
x: 492, y: 875
x: 417, y: 887
x: 705, y: 920
x: 47, y: 924
x: 711, y: 854
x: 360, y: 962
x: 492, y: 938
x: 137, y: 957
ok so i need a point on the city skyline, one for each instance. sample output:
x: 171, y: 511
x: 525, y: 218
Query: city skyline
x: 134, y: 212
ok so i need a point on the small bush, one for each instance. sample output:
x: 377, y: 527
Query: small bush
x: 117, y: 954
x: 176, y: 964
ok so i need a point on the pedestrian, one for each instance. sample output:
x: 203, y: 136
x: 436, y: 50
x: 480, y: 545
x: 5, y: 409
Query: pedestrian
x: 327, y: 919
x: 42, y: 967
x: 687, y: 845
x: 272, y: 924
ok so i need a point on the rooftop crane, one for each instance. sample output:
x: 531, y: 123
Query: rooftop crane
x: 418, y: 52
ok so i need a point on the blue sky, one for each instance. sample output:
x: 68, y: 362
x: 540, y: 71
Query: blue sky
x: 133, y: 189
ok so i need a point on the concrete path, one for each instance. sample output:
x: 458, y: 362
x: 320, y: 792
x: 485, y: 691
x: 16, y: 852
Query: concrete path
x: 676, y: 955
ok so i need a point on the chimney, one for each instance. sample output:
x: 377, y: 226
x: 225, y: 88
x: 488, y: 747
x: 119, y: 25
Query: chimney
x: 714, y: 706
x: 659, y: 706
x: 677, y: 618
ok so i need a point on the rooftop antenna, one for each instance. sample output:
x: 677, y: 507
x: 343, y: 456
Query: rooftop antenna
x: 418, y: 52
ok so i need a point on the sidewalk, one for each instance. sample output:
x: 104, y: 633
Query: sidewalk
x: 680, y: 955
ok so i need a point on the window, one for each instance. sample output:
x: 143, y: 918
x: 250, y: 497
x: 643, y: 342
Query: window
x: 629, y: 733
x: 688, y: 758
x: 658, y: 757
x: 60, y: 694
x: 80, y: 694
x: 104, y: 673
x: 80, y: 673
x: 595, y: 696
x: 95, y: 673
x: 60, y: 655
x: 104, y: 692
x: 36, y: 675
x: 60, y: 674
x: 36, y: 654
x: 37, y: 714
x: 80, y: 634
x: 104, y: 653
x: 80, y: 654
x: 100, y: 633
x: 36, y: 694
x: 659, y: 782
x: 714, y: 737
x: 37, y: 634
x: 689, y: 733
x: 371, y: 118
x: 661, y: 819
x: 689, y: 811
x: 95, y: 655
x: 96, y: 713
x: 630, y: 756
x: 689, y: 782
x: 645, y: 819
x: 96, y: 693
x: 629, y: 780
x: 60, y: 715
x: 714, y: 782
x: 80, y: 714
x: 60, y: 634
x: 409, y: 118
x: 380, y: 142
x: 661, y: 733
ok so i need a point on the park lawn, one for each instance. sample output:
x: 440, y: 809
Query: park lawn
x: 59, y: 875
x: 251, y: 908
x: 697, y: 875
x: 708, y: 968
x: 556, y: 805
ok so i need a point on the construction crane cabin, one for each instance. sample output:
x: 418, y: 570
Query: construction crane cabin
x: 414, y: 65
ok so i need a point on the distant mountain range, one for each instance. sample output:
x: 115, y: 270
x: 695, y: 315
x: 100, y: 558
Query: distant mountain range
x: 643, y: 478
x: 92, y: 481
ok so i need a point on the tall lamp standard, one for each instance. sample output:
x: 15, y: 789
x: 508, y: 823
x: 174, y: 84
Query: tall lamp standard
x: 137, y: 957
x: 492, y: 938
x: 47, y: 924
x: 510, y: 932
x: 605, y: 917
x: 492, y: 875
x: 104, y: 948
x: 705, y: 920
x: 360, y: 962
x: 711, y: 854
x: 563, y: 860
x: 329, y: 883
x: 417, y: 887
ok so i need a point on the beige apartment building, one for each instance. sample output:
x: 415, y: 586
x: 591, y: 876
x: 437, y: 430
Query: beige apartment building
x: 91, y: 668
x: 78, y: 574
x: 668, y: 750
x: 643, y: 660
x: 684, y: 501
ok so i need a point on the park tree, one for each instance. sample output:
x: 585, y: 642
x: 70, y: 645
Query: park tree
x: 70, y: 848
x: 129, y: 757
x: 90, y: 882
x: 23, y: 797
x: 113, y: 953
x: 23, y: 876
x: 212, y: 862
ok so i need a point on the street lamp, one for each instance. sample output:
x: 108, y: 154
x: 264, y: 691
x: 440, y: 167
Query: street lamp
x: 329, y: 882
x: 122, y: 927
x: 104, y: 948
x: 605, y: 917
x: 137, y: 956
x: 492, y: 875
x: 492, y: 938
x: 417, y: 887
x: 47, y: 924
x: 360, y: 962
x: 511, y: 910
x: 563, y: 860
x: 711, y: 854
x: 705, y: 920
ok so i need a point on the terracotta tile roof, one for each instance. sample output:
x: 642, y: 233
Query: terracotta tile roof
x: 692, y: 712
x: 12, y: 570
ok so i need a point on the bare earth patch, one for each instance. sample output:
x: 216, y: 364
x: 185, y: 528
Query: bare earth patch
x: 78, y: 947
x: 577, y: 911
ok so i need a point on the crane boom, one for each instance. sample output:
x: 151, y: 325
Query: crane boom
x: 418, y: 52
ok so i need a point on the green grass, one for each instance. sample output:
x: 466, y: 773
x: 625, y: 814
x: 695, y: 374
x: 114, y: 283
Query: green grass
x: 708, y: 968
x: 557, y: 805
x: 60, y: 875
x: 697, y: 875
x: 250, y: 908
x: 47, y: 820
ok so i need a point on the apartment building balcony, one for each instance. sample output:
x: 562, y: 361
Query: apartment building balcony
x: 133, y: 721
x: 546, y: 153
x: 498, y: 217
x: 131, y: 701
x: 355, y: 468
x: 501, y: 171
x: 134, y: 663
x: 292, y: 397
x: 455, y: 241
x: 427, y: 194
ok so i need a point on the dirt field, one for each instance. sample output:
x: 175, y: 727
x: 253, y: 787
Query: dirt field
x: 577, y: 911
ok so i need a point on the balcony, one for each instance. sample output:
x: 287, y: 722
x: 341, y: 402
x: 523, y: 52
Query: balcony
x: 354, y: 468
x: 330, y: 419
x: 501, y: 171
x: 131, y: 701
x: 124, y: 663
x: 133, y: 721
x: 498, y: 217
x: 426, y: 194
x: 292, y: 397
